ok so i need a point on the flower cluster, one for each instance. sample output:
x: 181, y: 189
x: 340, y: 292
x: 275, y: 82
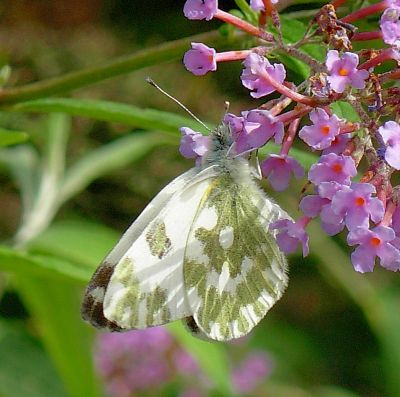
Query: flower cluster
x: 367, y: 206
x: 137, y: 362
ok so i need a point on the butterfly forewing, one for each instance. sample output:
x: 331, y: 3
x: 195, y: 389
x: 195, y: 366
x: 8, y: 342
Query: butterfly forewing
x: 92, y: 306
x: 233, y: 269
x: 146, y: 287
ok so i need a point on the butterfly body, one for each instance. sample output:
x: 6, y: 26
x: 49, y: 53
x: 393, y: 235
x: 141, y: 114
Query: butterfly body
x: 200, y: 250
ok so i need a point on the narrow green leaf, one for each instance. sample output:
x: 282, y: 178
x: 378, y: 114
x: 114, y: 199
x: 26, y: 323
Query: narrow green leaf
x: 250, y: 15
x: 25, y: 369
x: 149, y: 119
x: 55, y: 309
x: 8, y: 137
x: 24, y: 165
x: 108, y: 158
x: 51, y: 268
x: 210, y: 355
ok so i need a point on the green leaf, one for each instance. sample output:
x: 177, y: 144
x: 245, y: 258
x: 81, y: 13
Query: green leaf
x: 148, y: 119
x: 295, y: 65
x: 25, y: 369
x: 55, y: 309
x: 48, y: 267
x: 108, y: 158
x: 8, y: 137
x: 76, y: 241
x: 292, y: 29
x: 211, y: 356
x: 345, y: 111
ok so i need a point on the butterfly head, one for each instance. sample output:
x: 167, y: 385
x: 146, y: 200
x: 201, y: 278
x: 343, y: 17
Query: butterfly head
x: 221, y: 146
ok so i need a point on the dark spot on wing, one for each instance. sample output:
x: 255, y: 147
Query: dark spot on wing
x: 92, y: 306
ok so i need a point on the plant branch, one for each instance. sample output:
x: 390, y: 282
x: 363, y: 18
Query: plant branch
x: 170, y: 51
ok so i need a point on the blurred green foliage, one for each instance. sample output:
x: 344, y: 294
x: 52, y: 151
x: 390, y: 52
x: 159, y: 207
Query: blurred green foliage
x: 92, y: 162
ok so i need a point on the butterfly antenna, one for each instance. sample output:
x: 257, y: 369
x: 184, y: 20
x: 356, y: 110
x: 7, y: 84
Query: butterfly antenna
x: 151, y: 82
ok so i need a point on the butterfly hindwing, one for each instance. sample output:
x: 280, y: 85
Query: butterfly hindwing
x: 233, y: 269
x: 146, y: 287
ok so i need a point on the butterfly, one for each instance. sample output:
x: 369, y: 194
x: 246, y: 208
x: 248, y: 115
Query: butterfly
x: 200, y: 251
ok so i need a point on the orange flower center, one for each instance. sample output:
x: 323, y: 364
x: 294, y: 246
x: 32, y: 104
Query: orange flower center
x: 325, y: 129
x: 337, y: 168
x: 343, y: 72
x: 375, y: 241
x: 360, y: 201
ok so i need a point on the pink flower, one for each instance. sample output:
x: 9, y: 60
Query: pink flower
x: 390, y: 26
x: 116, y: 360
x: 251, y: 372
x: 356, y: 205
x: 200, y: 59
x: 333, y: 168
x: 258, y: 5
x: 372, y: 243
x: 343, y: 71
x: 193, y: 144
x: 235, y: 124
x: 278, y: 169
x: 291, y: 234
x: 255, y: 66
x: 390, y: 133
x: 200, y: 9
x: 338, y: 144
x: 320, y: 135
x: 258, y: 128
x: 314, y: 205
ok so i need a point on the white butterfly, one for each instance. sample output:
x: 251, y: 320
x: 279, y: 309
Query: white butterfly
x: 200, y: 251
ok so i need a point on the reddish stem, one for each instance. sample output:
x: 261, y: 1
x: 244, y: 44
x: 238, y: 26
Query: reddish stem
x: 243, y: 25
x: 292, y: 131
x: 383, y: 56
x: 387, y: 218
x: 287, y: 91
x: 364, y: 36
x: 232, y: 55
x: 288, y: 117
x: 364, y: 12
x: 394, y: 75
x: 280, y: 106
x: 337, y: 3
x: 304, y: 221
x: 269, y: 7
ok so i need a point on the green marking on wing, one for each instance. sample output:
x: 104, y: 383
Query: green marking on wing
x: 252, y: 286
x: 159, y: 242
x: 134, y: 302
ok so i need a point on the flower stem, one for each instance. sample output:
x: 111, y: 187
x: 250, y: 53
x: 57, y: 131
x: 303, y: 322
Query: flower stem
x: 364, y: 36
x: 364, y: 12
x: 292, y: 131
x: 338, y: 3
x: 243, y: 25
x: 287, y: 91
x: 387, y: 218
x: 383, y: 56
x: 232, y: 55
x: 292, y: 115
